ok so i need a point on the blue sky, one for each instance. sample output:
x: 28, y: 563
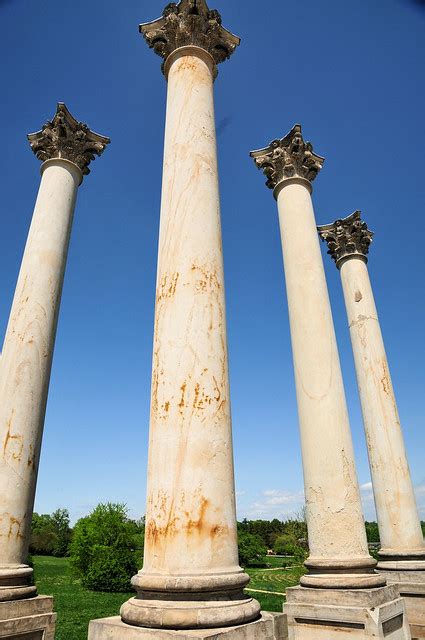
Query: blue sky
x: 352, y: 74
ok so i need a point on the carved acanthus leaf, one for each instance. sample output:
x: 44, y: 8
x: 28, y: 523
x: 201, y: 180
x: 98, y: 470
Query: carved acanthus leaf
x: 287, y: 158
x: 65, y: 137
x: 346, y: 237
x: 190, y: 22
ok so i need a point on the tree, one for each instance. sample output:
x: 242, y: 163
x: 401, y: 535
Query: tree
x: 103, y: 548
x: 50, y: 534
x: 285, y: 545
x: 372, y: 532
x: 251, y: 548
x: 43, y: 535
x: 60, y: 520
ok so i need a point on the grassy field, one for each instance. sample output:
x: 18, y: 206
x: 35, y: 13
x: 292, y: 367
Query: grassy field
x: 75, y: 605
x: 274, y: 579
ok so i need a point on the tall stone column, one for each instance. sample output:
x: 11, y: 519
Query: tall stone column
x: 402, y: 554
x: 339, y: 558
x: 191, y: 576
x: 66, y: 148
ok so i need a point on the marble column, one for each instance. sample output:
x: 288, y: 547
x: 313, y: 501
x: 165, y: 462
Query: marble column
x: 335, y: 522
x: 191, y: 576
x: 339, y: 559
x: 66, y: 148
x: 402, y: 554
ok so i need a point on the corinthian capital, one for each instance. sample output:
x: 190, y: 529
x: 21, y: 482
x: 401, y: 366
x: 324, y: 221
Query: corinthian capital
x: 65, y: 137
x: 288, y: 157
x: 346, y: 237
x: 190, y: 22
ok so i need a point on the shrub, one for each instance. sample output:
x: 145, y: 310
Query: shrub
x: 251, y: 548
x: 285, y: 545
x: 110, y: 569
x: 103, y: 548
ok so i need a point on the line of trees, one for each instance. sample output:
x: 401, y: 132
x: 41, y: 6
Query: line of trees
x: 106, y: 546
x: 51, y: 533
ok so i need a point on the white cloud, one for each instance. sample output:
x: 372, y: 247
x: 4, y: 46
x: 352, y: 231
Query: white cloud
x: 276, y: 503
x: 368, y: 503
x: 281, y: 504
x: 420, y: 490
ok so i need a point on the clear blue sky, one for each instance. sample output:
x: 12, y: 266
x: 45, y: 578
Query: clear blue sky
x: 352, y: 73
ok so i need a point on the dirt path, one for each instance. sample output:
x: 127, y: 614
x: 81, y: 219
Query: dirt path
x: 273, y: 593
x: 294, y: 566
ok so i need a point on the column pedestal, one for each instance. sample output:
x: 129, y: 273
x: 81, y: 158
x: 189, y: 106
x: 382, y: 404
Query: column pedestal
x: 331, y: 614
x: 28, y: 619
x: 411, y: 585
x: 270, y: 626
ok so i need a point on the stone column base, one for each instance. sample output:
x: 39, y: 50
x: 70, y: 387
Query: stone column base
x: 270, y: 626
x: 411, y: 585
x: 29, y: 619
x: 333, y: 614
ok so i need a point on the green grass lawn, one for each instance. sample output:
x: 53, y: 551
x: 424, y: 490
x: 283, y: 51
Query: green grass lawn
x: 76, y: 606
x: 275, y: 580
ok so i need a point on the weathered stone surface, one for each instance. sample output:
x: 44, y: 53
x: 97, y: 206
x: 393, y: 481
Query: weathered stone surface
x: 401, y: 535
x: 399, y: 525
x: 65, y: 137
x: 29, y: 342
x: 190, y: 22
x: 26, y: 362
x: 270, y: 626
x: 411, y: 585
x: 328, y: 614
x: 347, y: 237
x: 29, y: 619
x: 339, y: 555
x: 191, y: 576
x: 288, y: 157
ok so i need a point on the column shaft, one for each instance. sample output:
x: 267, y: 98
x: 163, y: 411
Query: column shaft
x: 398, y: 519
x: 26, y: 362
x: 191, y: 539
x: 190, y: 476
x: 335, y: 523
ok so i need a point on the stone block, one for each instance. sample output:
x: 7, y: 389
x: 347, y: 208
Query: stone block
x: 411, y: 585
x: 270, y: 626
x: 28, y: 619
x: 333, y: 614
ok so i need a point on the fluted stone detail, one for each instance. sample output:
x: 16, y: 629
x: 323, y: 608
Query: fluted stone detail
x: 190, y: 22
x: 288, y: 157
x: 346, y: 237
x: 64, y: 137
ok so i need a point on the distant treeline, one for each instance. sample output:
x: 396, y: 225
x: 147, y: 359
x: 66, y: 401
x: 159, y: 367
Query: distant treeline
x: 372, y: 531
x: 270, y: 530
x: 52, y: 533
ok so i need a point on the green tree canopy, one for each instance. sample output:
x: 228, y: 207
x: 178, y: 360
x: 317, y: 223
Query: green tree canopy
x: 106, y: 548
x: 51, y: 534
x: 251, y: 548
